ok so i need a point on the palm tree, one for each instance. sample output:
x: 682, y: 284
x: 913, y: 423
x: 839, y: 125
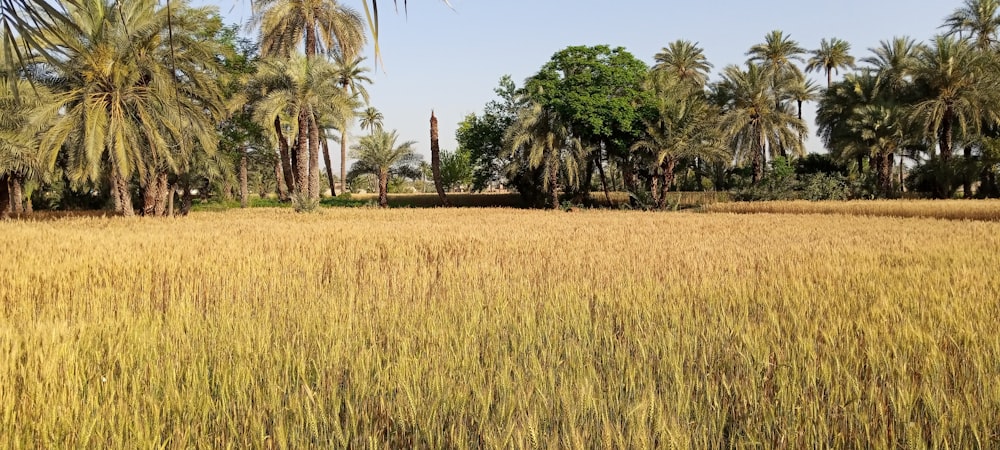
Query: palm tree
x: 778, y: 53
x: 895, y: 61
x: 125, y: 107
x: 831, y: 56
x: 351, y: 77
x: 880, y: 131
x: 296, y: 85
x: 20, y: 126
x: 379, y: 154
x: 685, y: 61
x: 371, y: 119
x: 685, y: 126
x: 753, y: 120
x: 322, y: 26
x: 799, y: 90
x: 980, y: 19
x: 958, y: 91
x: 541, y: 139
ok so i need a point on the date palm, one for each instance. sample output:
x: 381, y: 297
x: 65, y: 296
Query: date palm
x: 895, y: 61
x: 831, y: 56
x: 685, y: 61
x: 371, y: 119
x: 778, y: 53
x: 685, y: 126
x: 139, y: 90
x: 959, y: 90
x: 321, y: 26
x: 980, y: 19
x: 541, y: 139
x: 753, y: 121
x: 22, y: 118
x: 351, y: 76
x: 298, y: 85
x: 379, y: 154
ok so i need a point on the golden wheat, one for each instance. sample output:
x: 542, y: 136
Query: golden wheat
x: 941, y: 209
x: 499, y: 328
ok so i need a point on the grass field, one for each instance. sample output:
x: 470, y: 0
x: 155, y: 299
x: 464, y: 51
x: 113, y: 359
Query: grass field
x: 939, y: 209
x: 499, y: 328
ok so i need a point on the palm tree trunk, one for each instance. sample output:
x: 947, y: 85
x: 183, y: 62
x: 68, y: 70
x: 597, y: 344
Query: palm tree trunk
x: 244, y: 186
x: 343, y: 160
x: 883, y: 171
x: 150, y: 194
x: 285, y: 162
x: 16, y: 194
x: 966, y: 174
x: 310, y: 39
x: 946, y: 135
x: 436, y: 161
x: 186, y: 199
x: 4, y: 196
x: 554, y: 183
x: 383, y: 188
x: 302, y: 155
x: 655, y: 190
x: 829, y: 79
x: 757, y: 162
x: 669, y: 165
x: 313, y: 158
x: 122, y: 194
x: 280, y: 187
x: 162, y: 188
x: 329, y: 167
x: 604, y: 178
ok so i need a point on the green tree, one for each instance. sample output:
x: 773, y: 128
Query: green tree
x: 456, y: 169
x: 778, y: 54
x: 379, y: 154
x: 482, y: 135
x: 598, y: 92
x: 831, y: 56
x: 351, y: 76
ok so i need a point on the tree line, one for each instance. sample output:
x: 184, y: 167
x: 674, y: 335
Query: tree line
x: 600, y: 112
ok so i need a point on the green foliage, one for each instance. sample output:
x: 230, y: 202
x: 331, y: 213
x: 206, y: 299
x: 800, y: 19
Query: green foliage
x: 481, y: 136
x: 456, y: 169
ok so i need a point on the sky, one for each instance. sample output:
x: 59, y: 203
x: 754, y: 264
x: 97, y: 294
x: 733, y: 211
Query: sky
x: 451, y: 59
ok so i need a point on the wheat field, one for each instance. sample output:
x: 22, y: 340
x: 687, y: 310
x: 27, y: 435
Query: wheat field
x: 941, y: 209
x: 479, y: 328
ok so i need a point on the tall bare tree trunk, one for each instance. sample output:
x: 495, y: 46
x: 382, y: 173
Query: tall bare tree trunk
x: 436, y: 161
x: 313, y: 158
x: 302, y: 155
x: 326, y: 160
x: 383, y: 188
x: 284, y: 163
x: 244, y: 185
x: 553, y: 180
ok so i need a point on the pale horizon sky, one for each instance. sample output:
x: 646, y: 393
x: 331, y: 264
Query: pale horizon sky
x: 450, y: 59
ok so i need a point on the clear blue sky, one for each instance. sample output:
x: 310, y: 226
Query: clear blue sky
x: 450, y: 60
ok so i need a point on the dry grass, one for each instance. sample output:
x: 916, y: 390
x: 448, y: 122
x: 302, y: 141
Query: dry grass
x: 499, y: 329
x: 941, y: 209
x: 514, y: 200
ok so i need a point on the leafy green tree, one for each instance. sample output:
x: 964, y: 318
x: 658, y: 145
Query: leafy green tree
x: 831, y: 56
x: 379, y: 154
x: 597, y: 91
x: 456, y: 169
x: 131, y: 102
x: 482, y: 135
